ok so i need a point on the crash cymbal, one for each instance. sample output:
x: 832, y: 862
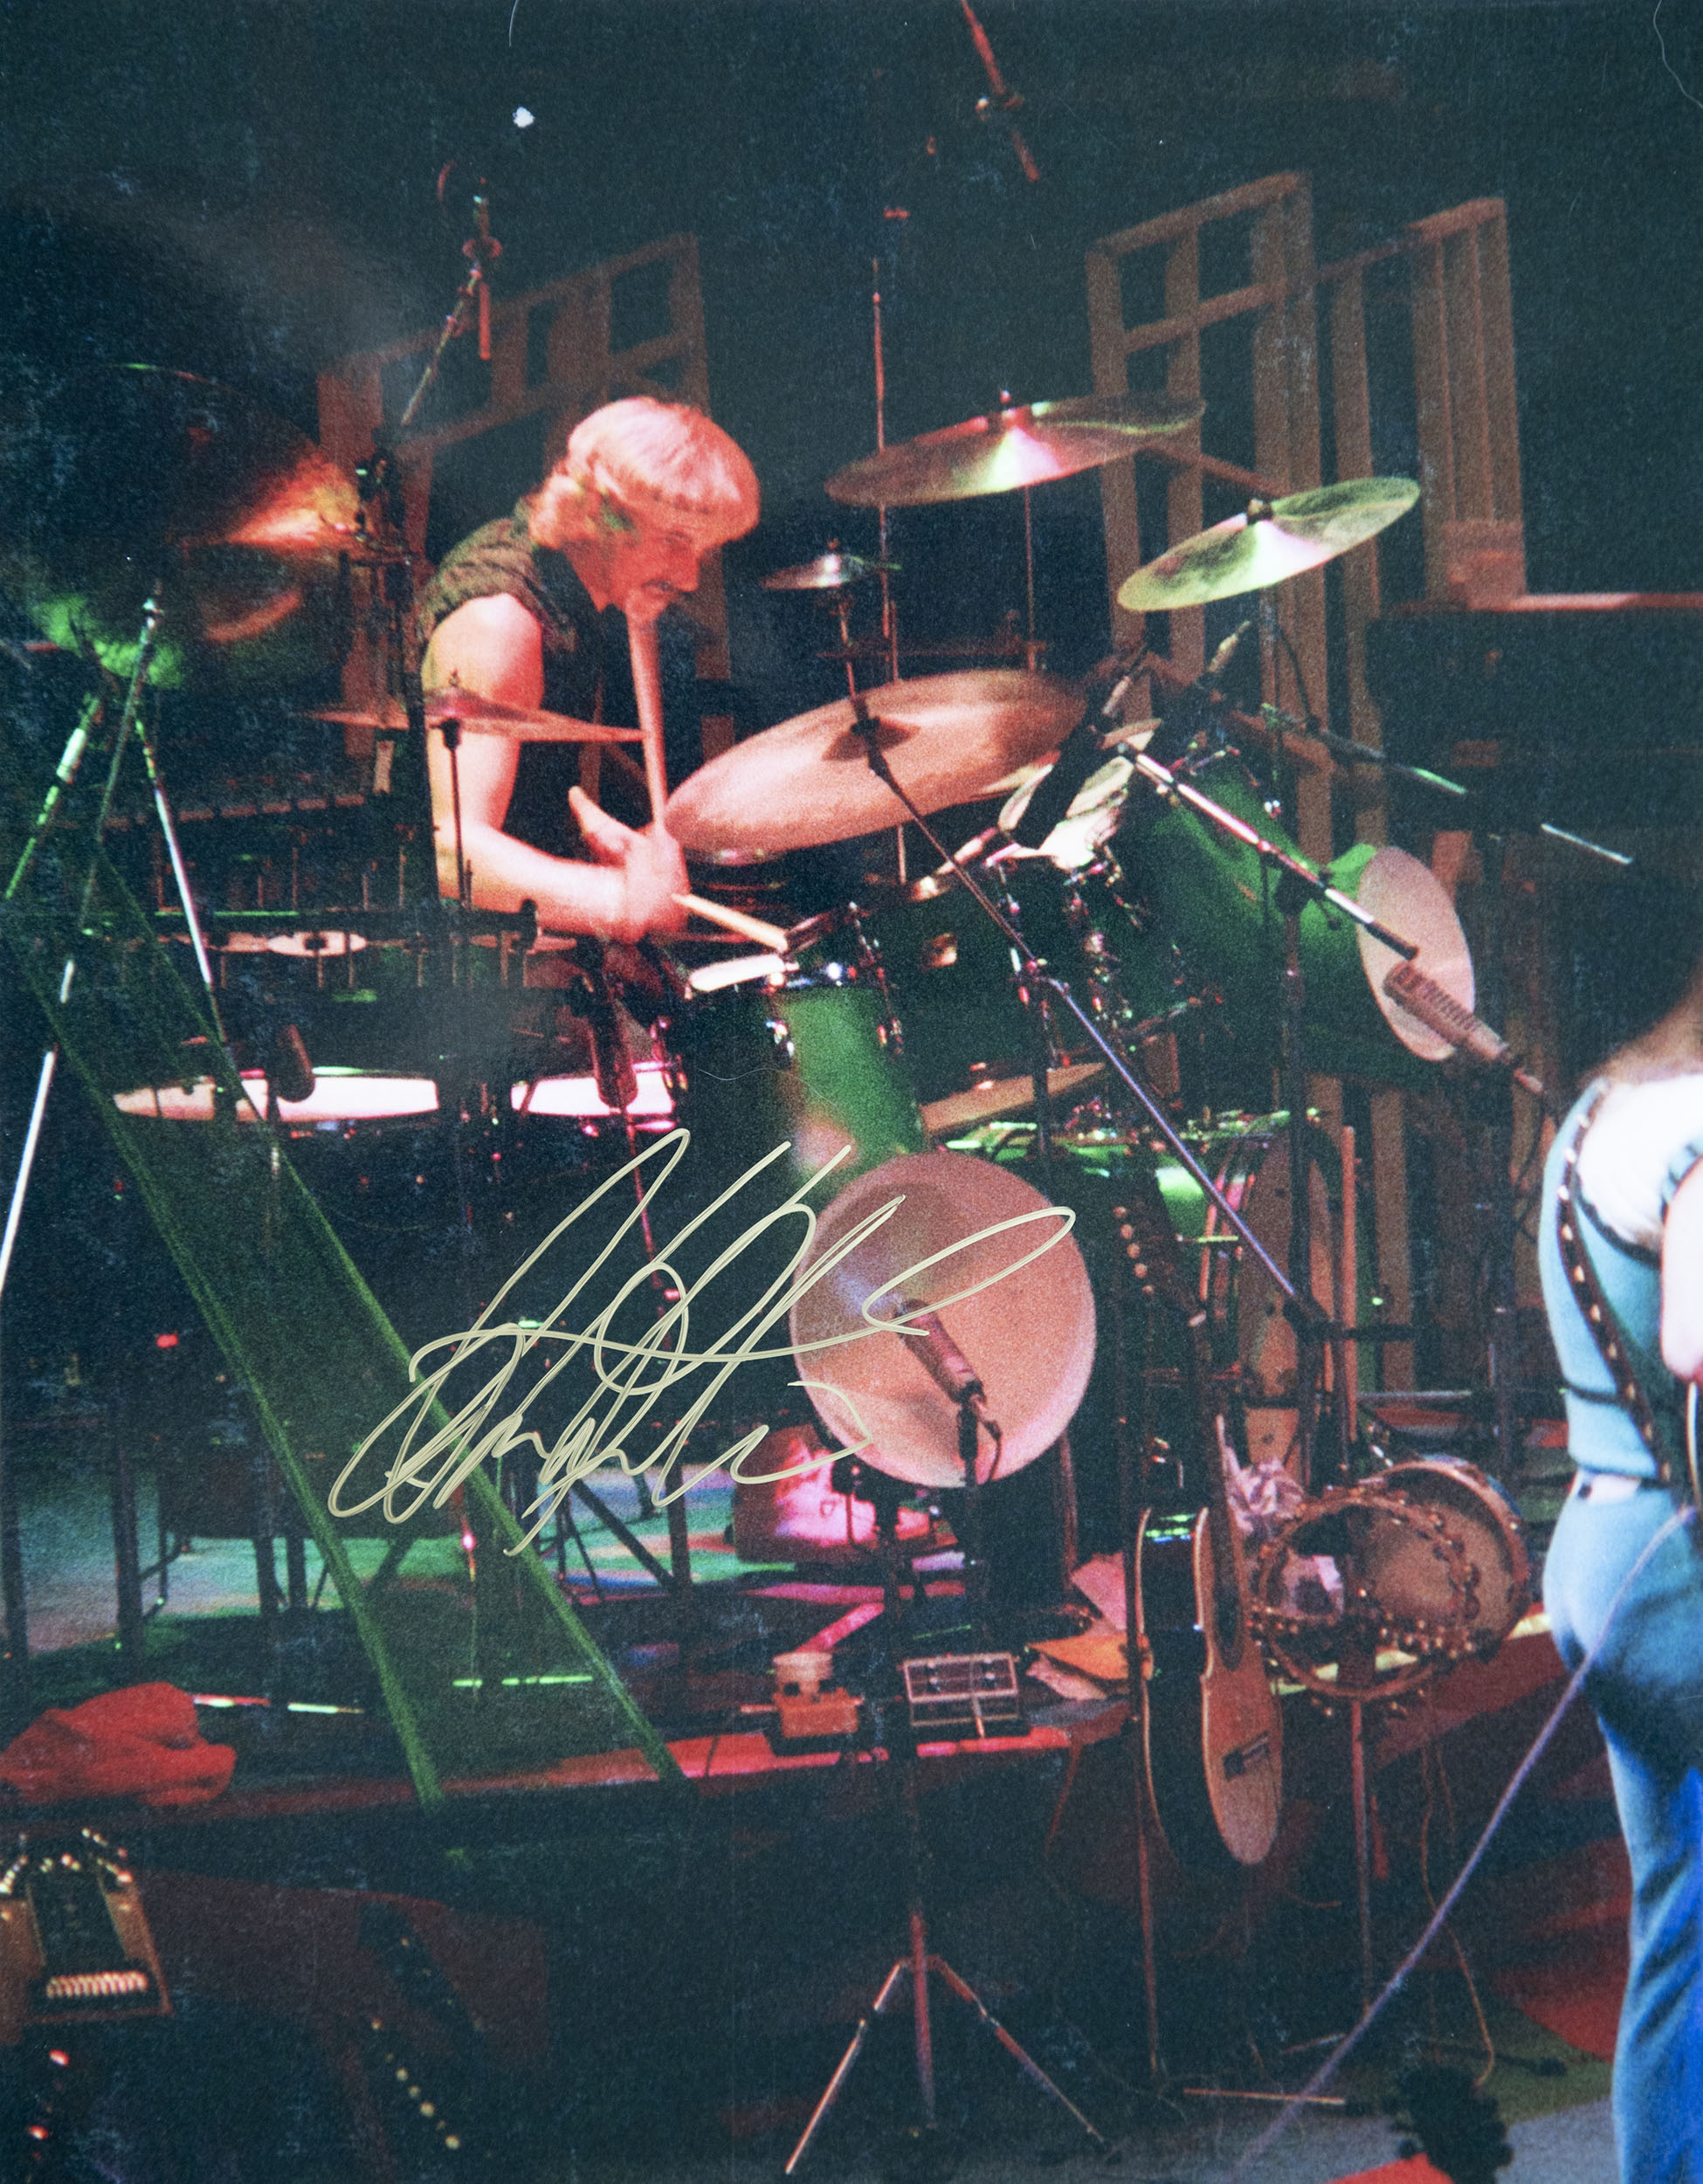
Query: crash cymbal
x: 1271, y: 540
x: 481, y: 716
x: 948, y: 738
x: 1022, y: 446
x: 131, y: 481
x: 833, y: 571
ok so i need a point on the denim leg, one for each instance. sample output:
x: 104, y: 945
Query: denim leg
x: 1658, y: 2057
x: 1646, y: 1685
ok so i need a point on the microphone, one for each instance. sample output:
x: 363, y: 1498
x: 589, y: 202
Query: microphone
x: 1438, y: 1010
x: 1185, y: 714
x: 940, y: 1357
x: 1078, y: 756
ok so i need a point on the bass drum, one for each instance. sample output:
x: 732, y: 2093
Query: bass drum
x: 811, y: 1067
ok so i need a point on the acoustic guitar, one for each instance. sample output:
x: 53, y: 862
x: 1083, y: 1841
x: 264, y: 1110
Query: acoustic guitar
x: 1212, y: 1734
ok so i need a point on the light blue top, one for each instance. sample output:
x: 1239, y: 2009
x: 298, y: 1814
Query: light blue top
x: 1600, y: 1432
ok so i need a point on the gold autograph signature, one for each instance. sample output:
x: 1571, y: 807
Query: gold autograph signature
x: 630, y: 1376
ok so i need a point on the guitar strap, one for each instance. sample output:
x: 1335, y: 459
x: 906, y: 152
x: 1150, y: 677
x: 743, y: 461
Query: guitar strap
x: 1600, y: 1315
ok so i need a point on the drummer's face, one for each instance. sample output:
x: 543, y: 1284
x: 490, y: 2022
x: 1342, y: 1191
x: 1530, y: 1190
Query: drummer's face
x: 645, y: 558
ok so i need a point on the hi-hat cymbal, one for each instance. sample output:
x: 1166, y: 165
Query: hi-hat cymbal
x: 948, y: 738
x: 995, y: 1099
x: 480, y: 715
x: 1022, y: 446
x: 133, y: 481
x: 833, y: 571
x: 1270, y: 541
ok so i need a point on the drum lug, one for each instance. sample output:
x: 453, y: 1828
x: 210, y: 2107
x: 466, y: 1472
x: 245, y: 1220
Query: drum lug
x: 786, y: 1052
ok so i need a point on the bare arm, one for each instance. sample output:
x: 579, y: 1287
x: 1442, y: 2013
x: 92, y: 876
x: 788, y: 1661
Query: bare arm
x: 494, y: 648
x: 1682, y: 1279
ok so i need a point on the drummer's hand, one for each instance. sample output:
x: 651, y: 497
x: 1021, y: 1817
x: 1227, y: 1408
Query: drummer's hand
x: 650, y: 866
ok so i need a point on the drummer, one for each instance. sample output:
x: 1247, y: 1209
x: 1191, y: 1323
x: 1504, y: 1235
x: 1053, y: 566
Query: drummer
x: 519, y: 612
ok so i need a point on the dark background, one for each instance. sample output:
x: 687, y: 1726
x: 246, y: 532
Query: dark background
x: 249, y: 192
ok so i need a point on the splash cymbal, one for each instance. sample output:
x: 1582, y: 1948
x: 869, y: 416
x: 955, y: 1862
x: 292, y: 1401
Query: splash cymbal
x: 1021, y: 446
x: 948, y: 738
x: 133, y: 481
x: 1270, y: 541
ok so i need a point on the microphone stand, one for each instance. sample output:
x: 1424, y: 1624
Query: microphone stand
x: 1493, y: 1104
x: 868, y: 728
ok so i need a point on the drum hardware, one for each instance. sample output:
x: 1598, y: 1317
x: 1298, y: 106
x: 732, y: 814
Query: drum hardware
x: 1373, y: 1589
x: 1270, y: 542
x: 1028, y: 1324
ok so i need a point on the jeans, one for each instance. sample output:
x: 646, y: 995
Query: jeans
x: 1646, y: 1686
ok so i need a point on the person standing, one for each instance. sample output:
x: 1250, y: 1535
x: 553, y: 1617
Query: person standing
x: 1621, y: 1254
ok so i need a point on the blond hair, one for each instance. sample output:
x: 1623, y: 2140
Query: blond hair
x: 651, y: 459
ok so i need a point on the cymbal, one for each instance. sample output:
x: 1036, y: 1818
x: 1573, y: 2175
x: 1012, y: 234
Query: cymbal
x: 995, y: 1099
x: 948, y: 738
x: 1270, y: 541
x: 487, y: 716
x: 133, y: 481
x: 833, y: 571
x: 1021, y: 446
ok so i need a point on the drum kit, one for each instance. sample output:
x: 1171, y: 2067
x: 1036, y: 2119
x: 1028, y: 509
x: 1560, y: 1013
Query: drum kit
x: 171, y: 535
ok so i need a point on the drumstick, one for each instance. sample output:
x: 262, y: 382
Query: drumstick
x: 768, y: 936
x: 647, y: 688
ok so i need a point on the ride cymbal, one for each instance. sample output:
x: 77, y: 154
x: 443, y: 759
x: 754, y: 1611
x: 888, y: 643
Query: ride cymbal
x: 1270, y: 541
x: 1021, y: 446
x: 948, y: 738
x: 133, y: 481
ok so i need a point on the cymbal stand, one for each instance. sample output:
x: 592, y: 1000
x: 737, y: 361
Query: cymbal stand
x: 132, y: 718
x: 920, y: 1961
x: 1495, y: 1101
x: 69, y: 764
x: 889, y: 617
x: 1032, y: 651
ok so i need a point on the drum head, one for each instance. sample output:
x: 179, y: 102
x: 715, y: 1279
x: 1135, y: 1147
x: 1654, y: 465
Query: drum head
x: 984, y: 1247
x: 1406, y: 897
x: 1479, y: 1516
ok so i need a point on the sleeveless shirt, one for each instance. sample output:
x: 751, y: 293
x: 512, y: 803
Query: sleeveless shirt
x: 1644, y: 1140
x: 586, y: 671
